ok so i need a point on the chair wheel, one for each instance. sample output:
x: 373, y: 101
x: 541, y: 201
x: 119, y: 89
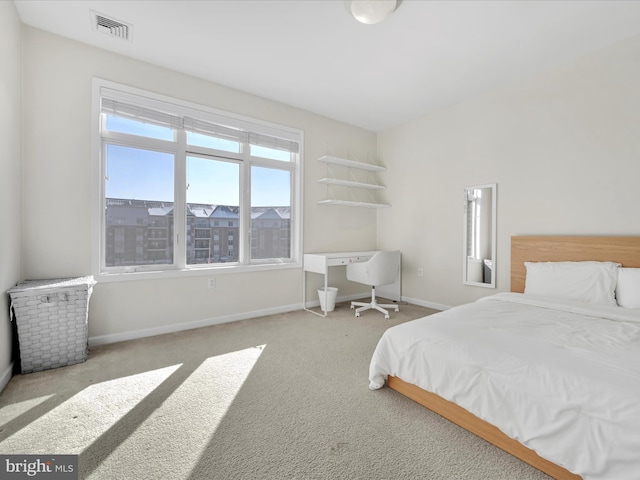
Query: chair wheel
x: 357, y: 314
x: 386, y: 317
x: 352, y: 307
x: 397, y: 309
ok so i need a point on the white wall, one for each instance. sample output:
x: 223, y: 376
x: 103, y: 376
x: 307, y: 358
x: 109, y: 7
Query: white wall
x: 58, y: 203
x: 564, y: 149
x: 10, y: 107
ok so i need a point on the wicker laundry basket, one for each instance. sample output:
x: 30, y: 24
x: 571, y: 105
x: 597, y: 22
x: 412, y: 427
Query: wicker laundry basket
x: 52, y: 320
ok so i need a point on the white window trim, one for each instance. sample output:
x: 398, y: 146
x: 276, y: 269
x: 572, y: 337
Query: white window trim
x: 176, y: 271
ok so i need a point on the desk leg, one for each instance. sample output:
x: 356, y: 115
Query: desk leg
x: 326, y: 284
x: 304, y: 289
x: 304, y: 293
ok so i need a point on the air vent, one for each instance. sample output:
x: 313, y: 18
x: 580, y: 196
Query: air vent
x: 111, y: 26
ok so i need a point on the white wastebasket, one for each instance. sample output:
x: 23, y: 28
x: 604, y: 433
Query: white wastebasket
x: 328, y: 298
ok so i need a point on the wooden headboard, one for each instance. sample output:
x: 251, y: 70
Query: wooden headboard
x: 624, y: 250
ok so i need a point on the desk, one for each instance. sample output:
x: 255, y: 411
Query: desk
x: 320, y: 263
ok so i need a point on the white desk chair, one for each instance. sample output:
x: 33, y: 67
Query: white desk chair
x: 381, y: 269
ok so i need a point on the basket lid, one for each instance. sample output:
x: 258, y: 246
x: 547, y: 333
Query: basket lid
x: 29, y: 285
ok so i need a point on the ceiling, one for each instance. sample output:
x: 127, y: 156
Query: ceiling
x: 313, y: 55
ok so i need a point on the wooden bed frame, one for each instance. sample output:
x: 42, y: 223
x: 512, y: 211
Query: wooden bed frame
x: 624, y: 250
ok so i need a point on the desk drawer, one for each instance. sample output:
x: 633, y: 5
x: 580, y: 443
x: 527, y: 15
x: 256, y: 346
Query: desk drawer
x: 332, y: 262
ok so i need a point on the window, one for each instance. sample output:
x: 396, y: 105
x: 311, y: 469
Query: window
x: 213, y: 191
x: 133, y: 174
x: 185, y: 187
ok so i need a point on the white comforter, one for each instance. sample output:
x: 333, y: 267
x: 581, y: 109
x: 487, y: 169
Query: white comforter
x: 561, y: 377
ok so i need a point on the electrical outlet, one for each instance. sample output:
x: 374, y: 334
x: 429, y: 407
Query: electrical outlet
x: 420, y: 273
x: 212, y: 282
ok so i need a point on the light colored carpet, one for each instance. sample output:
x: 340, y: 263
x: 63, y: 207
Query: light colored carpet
x: 278, y: 397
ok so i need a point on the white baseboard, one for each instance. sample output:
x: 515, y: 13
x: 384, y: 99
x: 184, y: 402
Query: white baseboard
x: 207, y: 322
x: 424, y: 303
x: 177, y: 327
x: 6, y: 376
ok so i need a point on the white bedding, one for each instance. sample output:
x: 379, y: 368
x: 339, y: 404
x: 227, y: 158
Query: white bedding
x: 563, y: 378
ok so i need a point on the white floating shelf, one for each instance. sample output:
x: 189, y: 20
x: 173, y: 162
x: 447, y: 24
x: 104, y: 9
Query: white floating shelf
x: 350, y: 183
x: 349, y: 203
x: 351, y: 163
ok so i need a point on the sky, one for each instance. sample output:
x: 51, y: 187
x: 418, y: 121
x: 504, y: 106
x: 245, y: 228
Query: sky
x: 148, y: 175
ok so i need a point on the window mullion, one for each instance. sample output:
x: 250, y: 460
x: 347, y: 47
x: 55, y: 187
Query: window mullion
x: 245, y: 206
x: 180, y: 203
x: 103, y: 206
x: 210, y: 152
x: 140, y: 142
x: 275, y: 164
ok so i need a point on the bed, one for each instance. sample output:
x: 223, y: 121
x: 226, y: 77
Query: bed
x: 554, y: 381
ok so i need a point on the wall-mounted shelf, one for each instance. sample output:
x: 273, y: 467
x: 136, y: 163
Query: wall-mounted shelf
x: 351, y: 163
x: 351, y: 203
x: 349, y: 183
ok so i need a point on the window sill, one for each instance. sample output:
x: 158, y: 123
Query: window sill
x: 192, y: 272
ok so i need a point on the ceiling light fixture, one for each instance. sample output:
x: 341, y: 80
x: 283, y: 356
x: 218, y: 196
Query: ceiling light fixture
x: 371, y: 11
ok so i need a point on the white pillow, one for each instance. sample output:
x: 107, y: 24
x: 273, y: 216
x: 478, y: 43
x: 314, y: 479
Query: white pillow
x: 628, y: 288
x: 590, y: 282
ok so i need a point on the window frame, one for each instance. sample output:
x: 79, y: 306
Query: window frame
x: 179, y: 268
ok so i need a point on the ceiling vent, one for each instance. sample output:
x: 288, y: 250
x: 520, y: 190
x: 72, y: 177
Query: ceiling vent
x: 110, y: 26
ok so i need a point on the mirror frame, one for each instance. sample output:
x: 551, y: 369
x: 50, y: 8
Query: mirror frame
x: 465, y: 281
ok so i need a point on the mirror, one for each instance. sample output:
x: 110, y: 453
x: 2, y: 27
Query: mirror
x: 479, y: 260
